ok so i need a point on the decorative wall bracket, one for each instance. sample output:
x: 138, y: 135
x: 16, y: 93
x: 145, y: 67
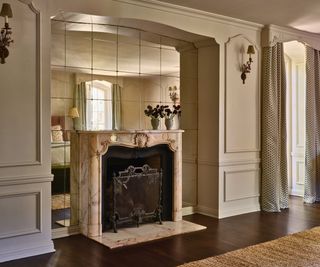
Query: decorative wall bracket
x: 5, y: 34
x: 246, y: 68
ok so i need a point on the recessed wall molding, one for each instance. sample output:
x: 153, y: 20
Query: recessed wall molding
x: 190, y: 160
x: 23, y: 228
x: 228, y: 163
x: 38, y: 77
x: 298, y: 154
x: 300, y: 171
x: 236, y: 194
x: 25, y: 179
x: 233, y: 63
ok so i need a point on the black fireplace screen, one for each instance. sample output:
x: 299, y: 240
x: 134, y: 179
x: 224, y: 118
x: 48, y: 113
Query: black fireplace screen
x: 115, y: 162
x: 130, y: 190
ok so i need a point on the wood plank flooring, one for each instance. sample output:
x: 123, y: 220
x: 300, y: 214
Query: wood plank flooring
x: 220, y: 237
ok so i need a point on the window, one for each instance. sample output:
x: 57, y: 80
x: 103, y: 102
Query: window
x: 99, y: 105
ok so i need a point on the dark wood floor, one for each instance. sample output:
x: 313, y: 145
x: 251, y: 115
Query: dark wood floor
x: 221, y: 236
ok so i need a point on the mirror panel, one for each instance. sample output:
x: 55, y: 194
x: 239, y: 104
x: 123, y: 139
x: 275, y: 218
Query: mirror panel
x: 110, y: 74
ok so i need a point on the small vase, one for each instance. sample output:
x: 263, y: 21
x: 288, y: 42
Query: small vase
x: 155, y: 123
x: 168, y: 123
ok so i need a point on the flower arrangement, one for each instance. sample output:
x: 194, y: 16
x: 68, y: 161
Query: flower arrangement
x: 155, y: 113
x: 173, y: 94
x: 171, y: 113
x: 162, y: 111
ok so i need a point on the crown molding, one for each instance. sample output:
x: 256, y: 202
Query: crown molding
x: 272, y: 34
x: 191, y: 12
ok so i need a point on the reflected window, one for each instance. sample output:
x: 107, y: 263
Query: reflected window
x: 99, y: 105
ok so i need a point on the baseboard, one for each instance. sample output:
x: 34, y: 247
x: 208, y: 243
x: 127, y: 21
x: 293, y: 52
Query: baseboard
x: 297, y: 193
x: 65, y: 231
x: 239, y: 211
x: 188, y: 210
x: 29, y: 251
x: 207, y: 211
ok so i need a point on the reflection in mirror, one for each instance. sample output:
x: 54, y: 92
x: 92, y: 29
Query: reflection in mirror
x: 101, y: 106
x: 103, y: 77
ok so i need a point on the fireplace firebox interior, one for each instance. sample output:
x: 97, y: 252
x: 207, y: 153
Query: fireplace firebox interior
x: 141, y: 196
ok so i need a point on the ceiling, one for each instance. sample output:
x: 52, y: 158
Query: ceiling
x: 299, y: 14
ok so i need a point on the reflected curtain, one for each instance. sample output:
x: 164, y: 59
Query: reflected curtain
x: 274, y: 178
x: 80, y: 99
x: 116, y: 107
x: 312, y: 158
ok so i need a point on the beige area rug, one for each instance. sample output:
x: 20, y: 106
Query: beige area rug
x: 61, y: 201
x: 296, y: 250
x: 146, y: 232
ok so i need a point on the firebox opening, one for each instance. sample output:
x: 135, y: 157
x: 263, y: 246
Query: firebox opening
x: 119, y: 158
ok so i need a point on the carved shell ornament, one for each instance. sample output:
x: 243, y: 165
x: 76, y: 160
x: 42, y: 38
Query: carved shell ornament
x: 141, y: 140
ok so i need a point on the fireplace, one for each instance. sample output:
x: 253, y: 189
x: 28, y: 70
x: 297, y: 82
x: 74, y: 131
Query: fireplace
x: 136, y: 185
x: 98, y: 156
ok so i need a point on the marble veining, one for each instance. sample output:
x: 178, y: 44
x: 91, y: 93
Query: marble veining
x: 146, y: 232
x: 87, y: 149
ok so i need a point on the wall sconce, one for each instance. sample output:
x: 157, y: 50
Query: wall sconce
x: 5, y: 34
x: 246, y: 68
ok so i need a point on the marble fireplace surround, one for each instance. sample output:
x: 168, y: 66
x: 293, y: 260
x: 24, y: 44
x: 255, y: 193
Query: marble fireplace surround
x: 87, y: 148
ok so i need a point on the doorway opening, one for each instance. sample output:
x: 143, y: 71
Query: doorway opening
x: 295, y: 63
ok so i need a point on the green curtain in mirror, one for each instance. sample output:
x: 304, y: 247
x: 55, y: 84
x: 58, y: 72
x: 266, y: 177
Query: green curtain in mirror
x: 116, y: 107
x: 80, y: 99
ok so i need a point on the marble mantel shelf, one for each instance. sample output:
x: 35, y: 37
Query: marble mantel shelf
x: 87, y: 149
x: 128, y: 131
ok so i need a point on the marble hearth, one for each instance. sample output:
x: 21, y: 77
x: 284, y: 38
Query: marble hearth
x: 87, y: 149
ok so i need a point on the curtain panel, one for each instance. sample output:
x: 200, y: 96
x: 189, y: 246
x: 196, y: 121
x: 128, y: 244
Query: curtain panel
x: 116, y: 107
x: 312, y: 156
x: 80, y: 99
x: 274, y: 177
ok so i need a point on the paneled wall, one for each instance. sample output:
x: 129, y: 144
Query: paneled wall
x: 25, y: 227
x: 228, y: 132
x: 239, y: 174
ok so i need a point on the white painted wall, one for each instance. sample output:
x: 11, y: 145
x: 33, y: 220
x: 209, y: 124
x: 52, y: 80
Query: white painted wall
x: 226, y: 179
x: 25, y: 206
x: 228, y: 112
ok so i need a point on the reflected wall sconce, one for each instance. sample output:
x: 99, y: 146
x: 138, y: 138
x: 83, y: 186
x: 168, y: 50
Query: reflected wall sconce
x: 246, y: 68
x: 5, y: 34
x: 173, y: 94
x: 73, y: 113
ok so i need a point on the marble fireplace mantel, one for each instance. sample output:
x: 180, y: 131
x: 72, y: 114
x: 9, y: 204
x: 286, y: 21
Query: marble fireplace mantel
x: 87, y: 148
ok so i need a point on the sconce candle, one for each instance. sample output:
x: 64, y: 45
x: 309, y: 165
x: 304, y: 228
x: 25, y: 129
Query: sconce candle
x: 5, y: 34
x: 246, y: 68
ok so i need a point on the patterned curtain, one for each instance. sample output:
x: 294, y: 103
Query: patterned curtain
x: 116, y: 107
x: 80, y: 98
x: 274, y: 178
x: 312, y: 160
